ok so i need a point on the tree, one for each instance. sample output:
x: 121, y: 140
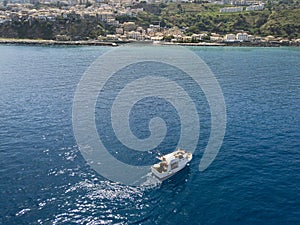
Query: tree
x: 179, y: 8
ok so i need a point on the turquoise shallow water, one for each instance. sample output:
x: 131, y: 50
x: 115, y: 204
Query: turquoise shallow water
x: 255, y: 178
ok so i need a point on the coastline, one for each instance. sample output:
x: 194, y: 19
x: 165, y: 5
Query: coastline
x: 53, y: 42
x: 235, y: 44
x: 117, y: 43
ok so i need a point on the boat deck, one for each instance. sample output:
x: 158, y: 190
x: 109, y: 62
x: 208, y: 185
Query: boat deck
x: 162, y: 166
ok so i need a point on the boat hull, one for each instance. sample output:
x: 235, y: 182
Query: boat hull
x: 171, y: 164
x: 165, y: 176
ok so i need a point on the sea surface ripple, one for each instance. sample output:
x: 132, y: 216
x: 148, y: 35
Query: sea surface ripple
x: 255, y: 178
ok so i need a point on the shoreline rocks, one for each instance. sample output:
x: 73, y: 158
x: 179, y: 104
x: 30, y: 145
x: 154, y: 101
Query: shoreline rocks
x: 113, y: 44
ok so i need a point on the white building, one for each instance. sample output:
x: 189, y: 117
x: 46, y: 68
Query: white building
x: 242, y: 37
x: 231, y: 9
x: 134, y: 35
x: 229, y: 38
x: 255, y: 7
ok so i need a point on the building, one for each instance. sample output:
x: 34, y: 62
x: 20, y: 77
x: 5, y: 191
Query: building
x: 229, y: 38
x: 242, y: 37
x: 255, y: 7
x: 231, y: 9
x: 216, y: 37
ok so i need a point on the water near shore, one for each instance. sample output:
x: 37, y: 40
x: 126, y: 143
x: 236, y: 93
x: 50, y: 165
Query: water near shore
x: 15, y: 41
x: 255, y: 178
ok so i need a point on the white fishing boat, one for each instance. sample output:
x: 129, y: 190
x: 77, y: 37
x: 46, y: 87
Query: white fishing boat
x: 171, y: 163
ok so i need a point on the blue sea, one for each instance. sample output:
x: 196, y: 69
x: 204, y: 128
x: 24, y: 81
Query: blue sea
x: 254, y: 179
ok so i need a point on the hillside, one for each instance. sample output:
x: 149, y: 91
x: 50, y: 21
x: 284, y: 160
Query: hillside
x: 277, y: 20
x: 280, y: 18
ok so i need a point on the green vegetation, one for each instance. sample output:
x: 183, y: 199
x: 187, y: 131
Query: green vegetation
x: 77, y: 29
x: 277, y: 19
x: 280, y: 18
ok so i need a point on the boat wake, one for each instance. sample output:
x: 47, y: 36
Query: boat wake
x: 151, y: 181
